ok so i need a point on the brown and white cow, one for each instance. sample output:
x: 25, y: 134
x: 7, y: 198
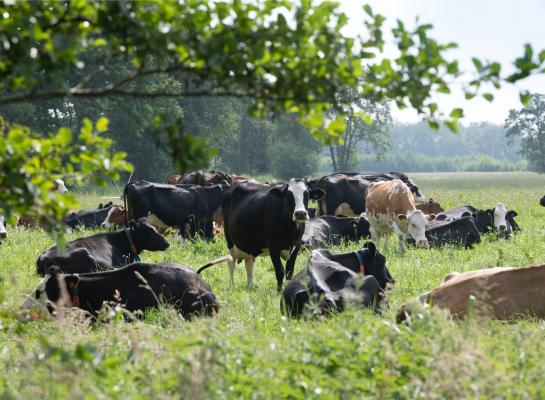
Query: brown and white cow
x: 430, y: 207
x: 503, y: 293
x: 390, y: 208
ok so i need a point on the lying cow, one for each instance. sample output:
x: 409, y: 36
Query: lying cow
x: 201, y: 178
x: 117, y: 216
x: 331, y: 280
x: 503, y: 293
x: 89, y: 218
x: 429, y: 207
x: 499, y: 219
x: 330, y: 230
x: 3, y: 231
x: 172, y: 206
x: 136, y: 287
x: 103, y: 250
x: 265, y: 219
x: 391, y: 209
x: 461, y: 232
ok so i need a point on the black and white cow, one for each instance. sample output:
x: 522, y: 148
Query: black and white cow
x: 264, y: 219
x: 461, y: 231
x: 499, y: 218
x: 172, y: 206
x: 542, y: 201
x: 3, y: 231
x: 330, y: 230
x: 346, y: 192
x: 136, y: 287
x: 88, y: 218
x: 328, y: 281
x: 103, y: 250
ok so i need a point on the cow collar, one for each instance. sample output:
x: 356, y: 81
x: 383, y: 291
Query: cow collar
x: 132, y: 247
x: 360, y: 261
x: 74, y: 296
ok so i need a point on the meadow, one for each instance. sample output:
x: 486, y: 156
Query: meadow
x: 249, y: 350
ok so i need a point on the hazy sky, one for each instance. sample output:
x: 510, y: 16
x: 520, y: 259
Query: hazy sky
x: 488, y: 29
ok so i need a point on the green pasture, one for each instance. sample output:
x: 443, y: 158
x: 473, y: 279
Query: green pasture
x: 251, y: 351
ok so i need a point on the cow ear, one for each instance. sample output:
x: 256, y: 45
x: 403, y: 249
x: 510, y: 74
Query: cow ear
x: 279, y: 191
x: 109, y: 204
x: 100, y: 206
x: 430, y: 217
x: 512, y: 213
x: 316, y: 194
x: 370, y: 246
x: 53, y: 271
x: 71, y: 281
x: 401, y: 217
x: 466, y: 214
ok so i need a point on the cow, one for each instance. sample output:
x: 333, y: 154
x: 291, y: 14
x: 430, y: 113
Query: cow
x: 88, y: 218
x: 330, y: 230
x: 504, y: 293
x: 103, y: 250
x: 345, y: 191
x: 201, y: 178
x: 460, y: 231
x: 59, y: 186
x: 391, y: 208
x: 264, y: 219
x: 136, y: 286
x: 498, y: 218
x: 542, y: 201
x: 429, y: 207
x: 172, y: 206
x: 331, y: 280
x: 117, y: 216
x: 3, y: 231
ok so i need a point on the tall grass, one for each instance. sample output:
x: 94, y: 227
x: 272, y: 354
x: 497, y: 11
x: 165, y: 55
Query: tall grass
x: 251, y: 351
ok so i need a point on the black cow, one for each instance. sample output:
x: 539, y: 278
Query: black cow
x: 330, y: 230
x: 542, y: 201
x: 103, y: 250
x: 3, y: 231
x: 204, y: 178
x: 345, y: 192
x: 331, y: 280
x: 136, y: 287
x: 461, y: 231
x: 499, y: 218
x: 172, y: 206
x: 88, y: 218
x: 261, y: 219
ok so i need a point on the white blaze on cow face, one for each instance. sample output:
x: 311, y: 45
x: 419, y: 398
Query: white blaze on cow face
x: 38, y: 298
x: 500, y: 223
x: 61, y: 187
x: 107, y: 223
x: 416, y: 226
x: 298, y: 190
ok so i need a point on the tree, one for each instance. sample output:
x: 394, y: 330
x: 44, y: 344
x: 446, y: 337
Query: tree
x: 528, y: 124
x: 279, y: 55
x: 366, y: 122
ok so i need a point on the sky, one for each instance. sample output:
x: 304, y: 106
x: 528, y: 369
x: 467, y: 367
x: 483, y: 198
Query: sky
x: 493, y: 30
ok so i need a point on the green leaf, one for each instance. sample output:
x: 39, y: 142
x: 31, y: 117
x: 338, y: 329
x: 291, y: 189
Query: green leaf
x: 102, y: 124
x: 64, y: 136
x: 457, y: 113
x: 525, y: 98
x: 488, y: 96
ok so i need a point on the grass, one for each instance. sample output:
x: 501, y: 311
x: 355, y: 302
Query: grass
x: 250, y: 351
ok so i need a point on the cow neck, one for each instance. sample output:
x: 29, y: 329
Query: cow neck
x: 360, y: 261
x: 132, y: 248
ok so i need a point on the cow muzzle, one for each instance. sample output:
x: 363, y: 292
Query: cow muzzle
x: 300, y: 216
x: 3, y: 235
x: 422, y: 243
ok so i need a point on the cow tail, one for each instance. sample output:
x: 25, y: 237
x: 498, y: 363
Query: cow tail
x: 216, y: 261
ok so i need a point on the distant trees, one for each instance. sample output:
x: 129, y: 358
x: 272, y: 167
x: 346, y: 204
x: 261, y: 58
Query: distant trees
x: 528, y: 125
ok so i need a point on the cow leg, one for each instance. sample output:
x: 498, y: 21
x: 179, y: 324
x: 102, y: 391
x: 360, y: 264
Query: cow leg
x: 278, y: 268
x: 232, y: 264
x: 290, y: 264
x: 249, y: 264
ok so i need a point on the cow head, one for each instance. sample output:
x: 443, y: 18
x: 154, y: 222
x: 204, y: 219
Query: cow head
x: 296, y: 195
x: 414, y: 223
x: 3, y: 232
x: 375, y: 264
x: 542, y: 201
x: 117, y: 216
x: 50, y: 290
x: 146, y: 237
x: 429, y: 207
x: 60, y: 186
x: 498, y: 217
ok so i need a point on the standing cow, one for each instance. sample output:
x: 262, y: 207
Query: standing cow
x: 391, y: 209
x: 265, y: 219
